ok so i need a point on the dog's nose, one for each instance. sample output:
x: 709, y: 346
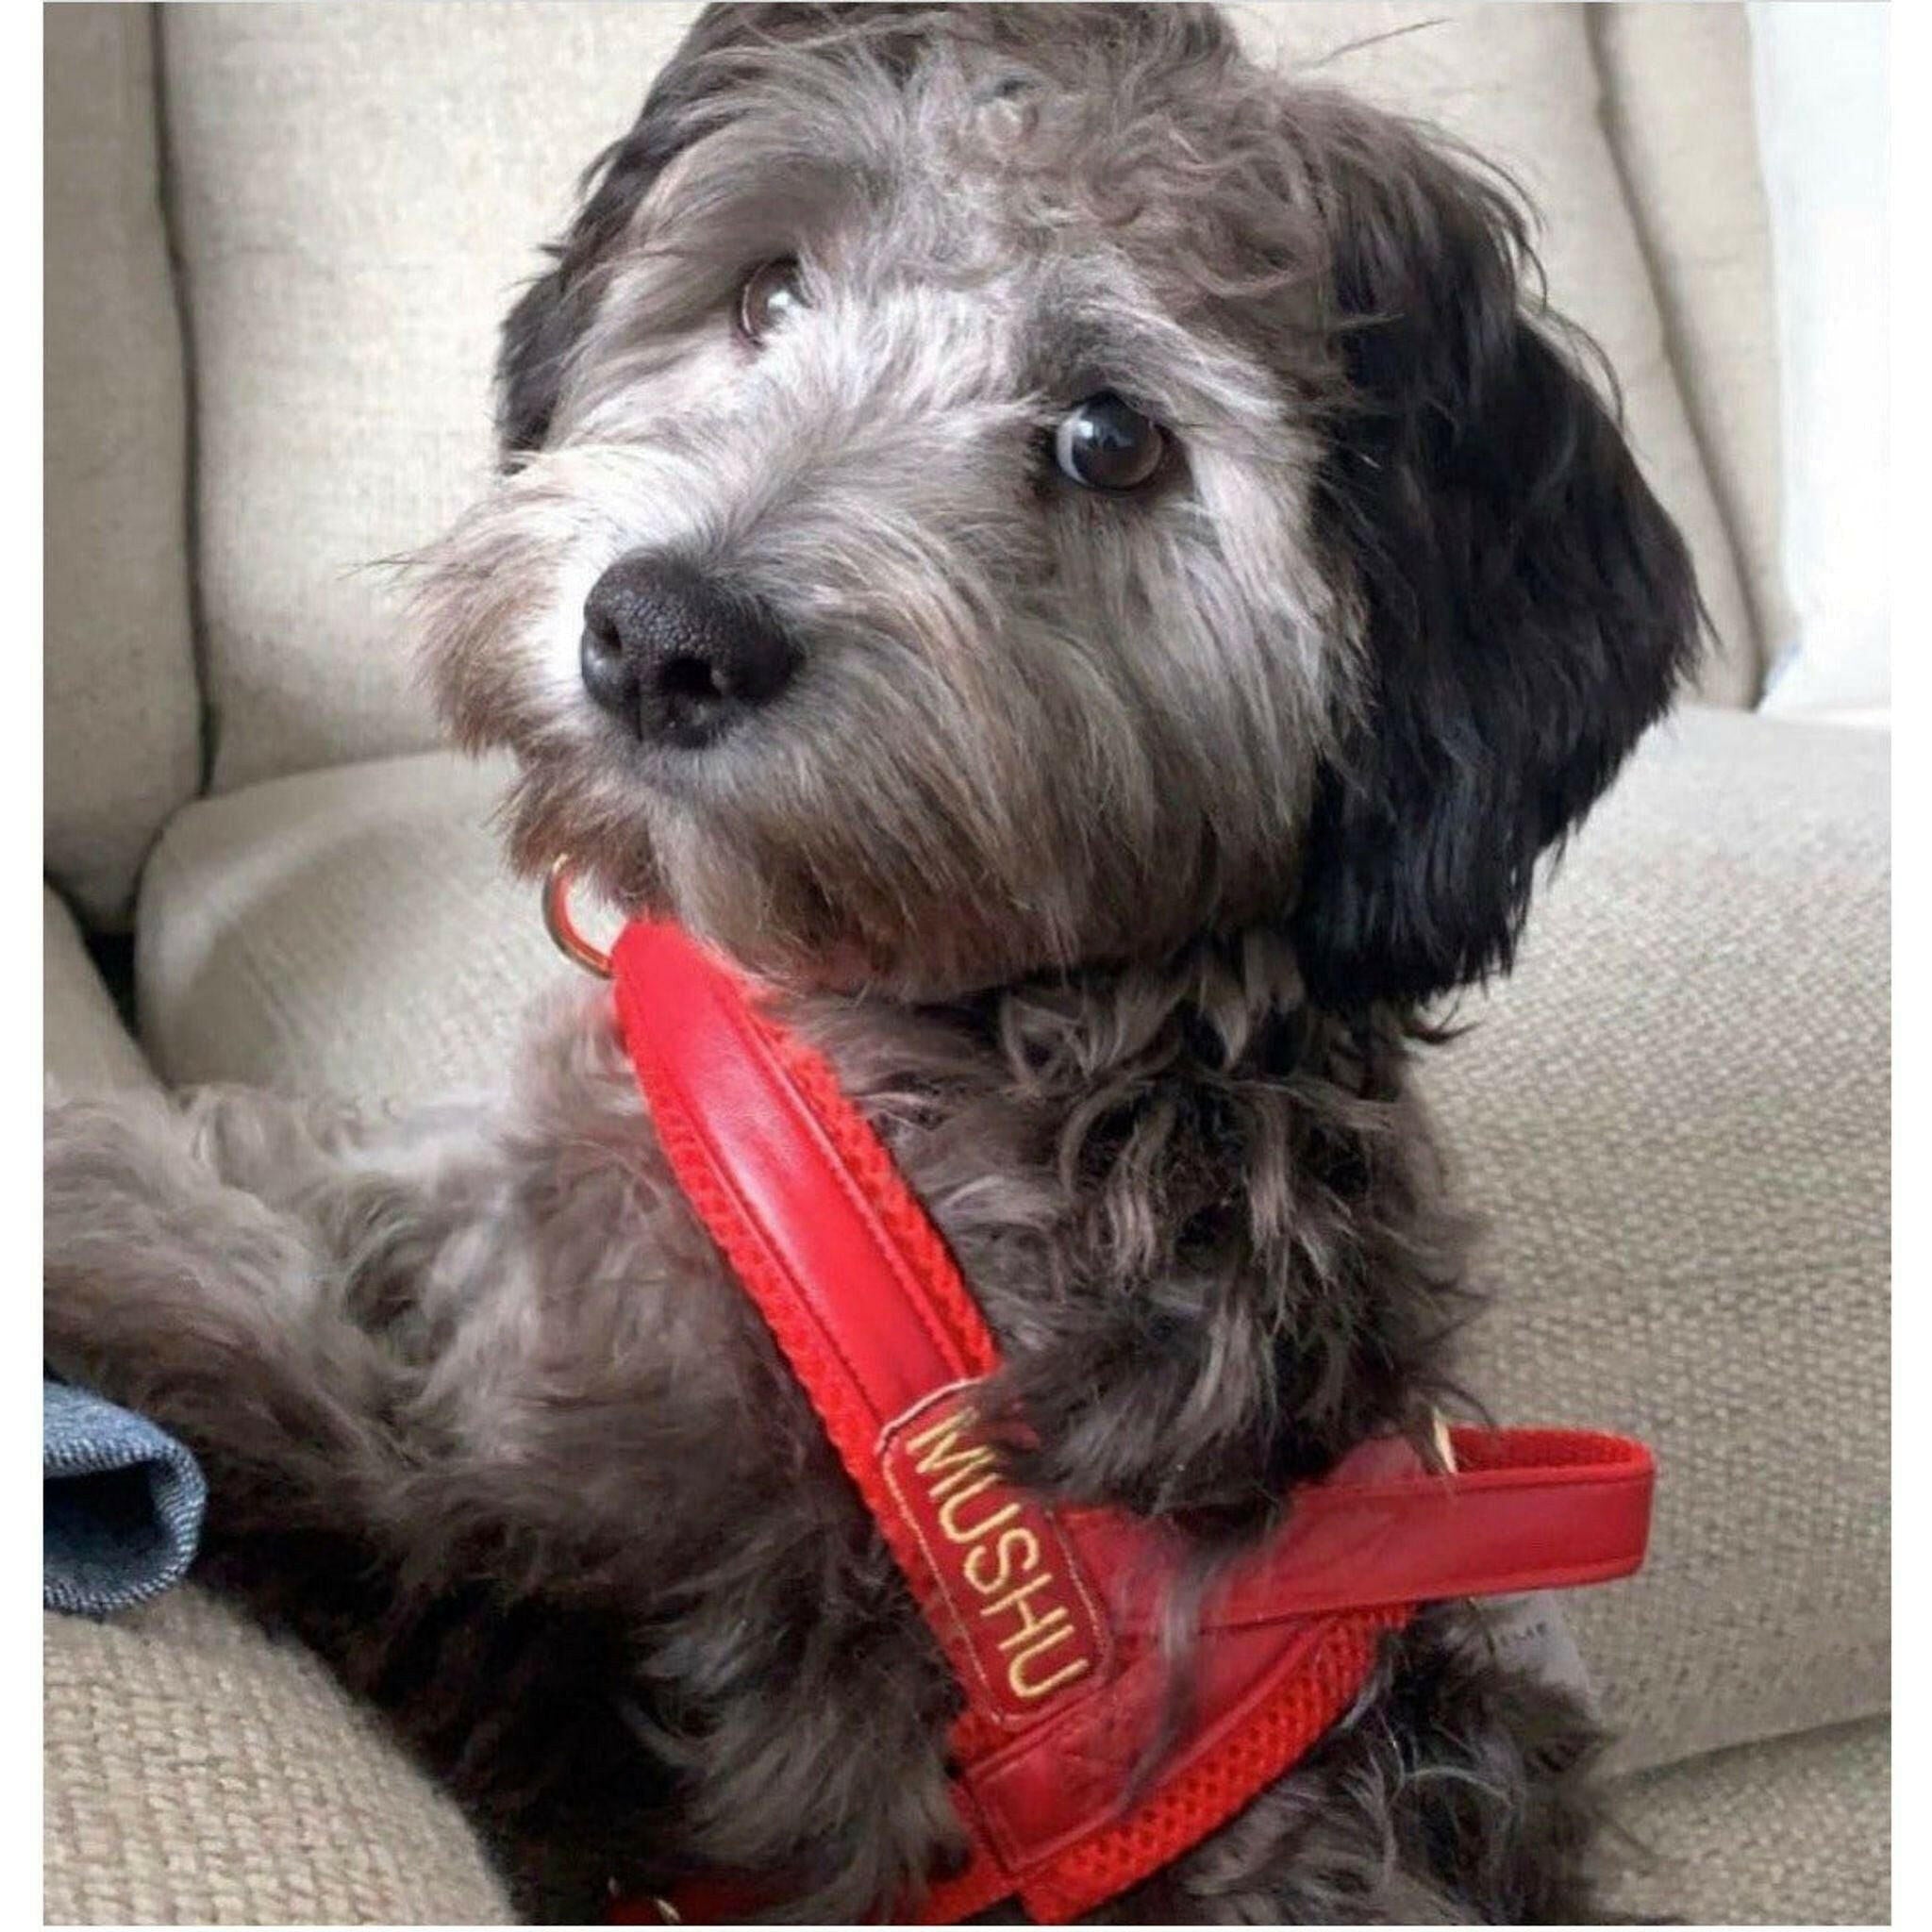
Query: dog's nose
x: 672, y: 656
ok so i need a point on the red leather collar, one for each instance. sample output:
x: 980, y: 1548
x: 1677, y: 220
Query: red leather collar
x: 1048, y: 1618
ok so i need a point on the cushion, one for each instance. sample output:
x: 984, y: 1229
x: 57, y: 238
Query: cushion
x: 1676, y: 1116
x: 1518, y: 82
x: 85, y: 1048
x: 1796, y: 1832
x: 1822, y: 109
x: 350, y: 932
x: 197, y: 1773
x: 1678, y: 111
x: 359, y: 191
x: 121, y: 723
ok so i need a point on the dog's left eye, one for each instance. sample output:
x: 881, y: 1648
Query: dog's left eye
x: 768, y: 295
x: 1106, y: 444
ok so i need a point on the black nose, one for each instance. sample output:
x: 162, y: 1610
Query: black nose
x: 674, y: 657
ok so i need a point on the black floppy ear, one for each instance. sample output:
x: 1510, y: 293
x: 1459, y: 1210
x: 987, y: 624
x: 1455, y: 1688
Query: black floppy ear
x: 1528, y: 608
x: 552, y: 314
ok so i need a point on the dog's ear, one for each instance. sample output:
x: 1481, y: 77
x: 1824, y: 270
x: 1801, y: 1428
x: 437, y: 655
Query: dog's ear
x: 1527, y: 606
x: 552, y: 314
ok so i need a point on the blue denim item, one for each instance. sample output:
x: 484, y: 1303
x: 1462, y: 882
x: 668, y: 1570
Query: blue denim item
x: 122, y: 1509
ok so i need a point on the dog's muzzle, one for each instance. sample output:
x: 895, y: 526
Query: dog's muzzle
x: 676, y: 658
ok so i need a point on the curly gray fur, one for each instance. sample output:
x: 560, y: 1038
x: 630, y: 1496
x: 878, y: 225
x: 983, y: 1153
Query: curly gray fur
x: 1112, y: 849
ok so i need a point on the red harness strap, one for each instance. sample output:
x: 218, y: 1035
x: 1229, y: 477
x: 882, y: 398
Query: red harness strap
x: 1049, y: 1619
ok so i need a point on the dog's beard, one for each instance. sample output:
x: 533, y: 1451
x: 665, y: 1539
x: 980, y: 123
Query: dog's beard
x: 810, y: 904
x: 884, y: 828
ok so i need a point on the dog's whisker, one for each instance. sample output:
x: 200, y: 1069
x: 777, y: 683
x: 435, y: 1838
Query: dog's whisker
x: 1365, y: 41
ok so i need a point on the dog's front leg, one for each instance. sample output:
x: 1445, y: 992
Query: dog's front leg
x: 202, y: 1265
x: 407, y: 1447
x: 482, y: 1342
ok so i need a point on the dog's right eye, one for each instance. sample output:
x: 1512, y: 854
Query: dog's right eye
x: 768, y: 295
x: 1107, y: 444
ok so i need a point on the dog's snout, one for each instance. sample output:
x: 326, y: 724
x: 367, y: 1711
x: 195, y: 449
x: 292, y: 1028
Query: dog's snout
x: 673, y: 656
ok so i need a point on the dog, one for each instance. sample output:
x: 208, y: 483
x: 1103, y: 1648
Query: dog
x: 1084, y: 567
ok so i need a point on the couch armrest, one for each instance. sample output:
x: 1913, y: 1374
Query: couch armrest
x: 197, y: 1773
x: 1675, y: 1117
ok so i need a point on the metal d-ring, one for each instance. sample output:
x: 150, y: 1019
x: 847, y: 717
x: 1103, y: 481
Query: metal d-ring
x: 562, y: 928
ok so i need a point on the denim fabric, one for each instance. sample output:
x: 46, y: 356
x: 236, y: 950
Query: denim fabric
x: 122, y: 1509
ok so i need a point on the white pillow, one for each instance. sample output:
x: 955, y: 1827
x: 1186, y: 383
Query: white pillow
x: 1818, y: 67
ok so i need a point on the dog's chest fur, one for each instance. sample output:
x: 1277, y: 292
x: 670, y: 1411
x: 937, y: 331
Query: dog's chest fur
x: 1201, y: 1223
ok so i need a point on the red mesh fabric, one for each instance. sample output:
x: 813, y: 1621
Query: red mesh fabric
x: 864, y: 1300
x: 1480, y: 1449
x: 852, y: 1428
x: 1213, y: 1790
x: 1185, y: 1807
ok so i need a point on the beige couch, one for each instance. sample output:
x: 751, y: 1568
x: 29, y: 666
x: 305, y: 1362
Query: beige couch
x: 277, y: 243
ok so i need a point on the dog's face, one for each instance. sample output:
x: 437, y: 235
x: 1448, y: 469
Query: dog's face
x: 1016, y: 487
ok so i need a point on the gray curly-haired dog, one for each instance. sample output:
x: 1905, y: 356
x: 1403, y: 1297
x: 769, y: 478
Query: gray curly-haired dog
x: 1076, y: 561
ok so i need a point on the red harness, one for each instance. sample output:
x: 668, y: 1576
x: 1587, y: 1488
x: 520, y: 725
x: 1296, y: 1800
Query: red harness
x: 1049, y: 1618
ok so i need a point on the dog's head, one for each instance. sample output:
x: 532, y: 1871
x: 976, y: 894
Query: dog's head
x: 1001, y: 488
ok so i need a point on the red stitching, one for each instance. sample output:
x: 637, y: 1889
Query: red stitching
x: 1247, y: 1743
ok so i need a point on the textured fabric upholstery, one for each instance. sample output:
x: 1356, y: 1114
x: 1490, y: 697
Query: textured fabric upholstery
x: 84, y: 1049
x: 359, y: 189
x: 1518, y: 83
x: 196, y: 1772
x: 1676, y: 1116
x: 122, y: 721
x: 348, y: 932
x: 199, y: 1773
x: 1679, y: 110
x: 1793, y: 1832
x: 193, y: 1769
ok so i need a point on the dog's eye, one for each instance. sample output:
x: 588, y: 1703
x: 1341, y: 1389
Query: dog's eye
x: 768, y: 295
x: 1107, y: 444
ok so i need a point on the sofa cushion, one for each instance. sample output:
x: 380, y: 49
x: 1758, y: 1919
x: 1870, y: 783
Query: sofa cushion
x: 1679, y: 110
x: 122, y: 721
x: 1676, y: 1116
x: 1795, y: 1832
x: 360, y: 189
x: 199, y: 1773
x: 84, y: 1047
x: 349, y: 932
